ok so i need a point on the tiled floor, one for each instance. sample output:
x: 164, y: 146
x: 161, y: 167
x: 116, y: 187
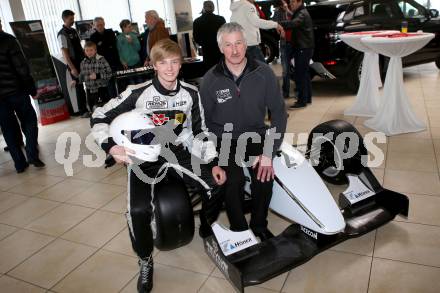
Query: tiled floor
x: 62, y: 233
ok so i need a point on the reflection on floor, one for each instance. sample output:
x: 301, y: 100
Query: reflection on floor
x: 68, y: 233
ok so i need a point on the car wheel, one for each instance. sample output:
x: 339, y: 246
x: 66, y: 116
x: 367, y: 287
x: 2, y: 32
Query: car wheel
x: 173, y: 224
x: 332, y: 155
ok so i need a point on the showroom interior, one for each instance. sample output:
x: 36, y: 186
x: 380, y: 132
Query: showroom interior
x: 63, y: 225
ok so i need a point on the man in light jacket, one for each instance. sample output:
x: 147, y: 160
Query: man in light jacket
x: 245, y: 13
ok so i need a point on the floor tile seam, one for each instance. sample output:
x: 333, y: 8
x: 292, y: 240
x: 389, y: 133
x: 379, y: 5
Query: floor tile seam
x: 126, y: 285
x: 417, y: 223
x: 15, y: 205
x: 183, y: 269
x: 42, y: 215
x: 34, y: 177
x: 24, y: 281
x: 77, y: 242
x: 117, y: 252
x: 345, y: 252
x: 97, y: 249
x: 100, y: 206
x: 205, y: 281
x: 73, y: 269
x: 30, y: 256
x: 407, y: 262
x: 371, y: 263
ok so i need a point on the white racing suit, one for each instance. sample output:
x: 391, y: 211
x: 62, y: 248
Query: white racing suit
x: 182, y: 108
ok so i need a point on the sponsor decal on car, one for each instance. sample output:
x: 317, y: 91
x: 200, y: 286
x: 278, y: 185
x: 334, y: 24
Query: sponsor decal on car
x: 311, y: 233
x: 212, y: 249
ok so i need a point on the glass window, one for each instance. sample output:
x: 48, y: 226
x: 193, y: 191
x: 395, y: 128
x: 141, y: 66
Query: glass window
x: 6, y: 15
x: 223, y: 9
x: 49, y: 11
x: 380, y: 9
x: 138, y: 8
x: 359, y: 11
x: 410, y: 10
x: 113, y: 11
x: 349, y: 15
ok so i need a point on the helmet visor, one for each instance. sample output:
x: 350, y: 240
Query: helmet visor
x: 139, y: 136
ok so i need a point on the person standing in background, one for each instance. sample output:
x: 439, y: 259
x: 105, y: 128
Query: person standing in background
x: 16, y: 84
x: 105, y: 40
x: 73, y: 54
x: 156, y: 32
x: 128, y: 46
x: 245, y: 13
x: 205, y: 30
x: 303, y: 43
x: 282, y: 12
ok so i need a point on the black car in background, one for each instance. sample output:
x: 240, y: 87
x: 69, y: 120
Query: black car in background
x: 332, y: 18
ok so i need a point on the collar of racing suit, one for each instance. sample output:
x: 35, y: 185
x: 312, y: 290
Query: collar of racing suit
x: 162, y: 90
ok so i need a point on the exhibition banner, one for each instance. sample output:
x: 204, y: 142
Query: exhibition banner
x: 49, y: 99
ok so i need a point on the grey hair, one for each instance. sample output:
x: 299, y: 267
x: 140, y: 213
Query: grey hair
x: 227, y: 28
x: 152, y: 13
x: 98, y: 18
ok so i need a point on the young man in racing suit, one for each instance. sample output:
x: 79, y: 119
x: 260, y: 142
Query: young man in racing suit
x: 168, y: 102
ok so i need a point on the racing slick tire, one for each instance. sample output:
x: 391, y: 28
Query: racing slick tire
x: 173, y: 214
x: 334, y: 155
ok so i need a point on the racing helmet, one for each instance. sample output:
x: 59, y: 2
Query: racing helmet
x: 135, y: 130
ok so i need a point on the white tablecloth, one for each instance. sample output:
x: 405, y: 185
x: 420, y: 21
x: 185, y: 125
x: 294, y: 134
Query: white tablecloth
x: 395, y: 115
x: 367, y: 98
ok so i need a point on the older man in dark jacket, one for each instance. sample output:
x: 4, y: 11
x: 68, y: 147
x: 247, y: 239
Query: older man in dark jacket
x: 235, y: 95
x: 303, y: 44
x: 205, y: 30
x: 16, y: 84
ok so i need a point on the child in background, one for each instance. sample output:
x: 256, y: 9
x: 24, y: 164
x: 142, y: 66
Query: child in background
x: 95, y: 73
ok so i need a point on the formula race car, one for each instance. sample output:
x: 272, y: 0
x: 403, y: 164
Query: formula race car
x: 300, y: 195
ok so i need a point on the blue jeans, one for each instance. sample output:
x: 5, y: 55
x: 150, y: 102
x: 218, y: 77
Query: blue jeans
x: 286, y: 51
x: 21, y: 106
x: 254, y: 52
x: 302, y: 74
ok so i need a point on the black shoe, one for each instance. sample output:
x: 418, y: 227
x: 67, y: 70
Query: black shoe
x: 37, y: 163
x: 205, y: 231
x: 298, y: 105
x: 264, y: 235
x: 22, y: 169
x: 86, y: 115
x: 145, y: 280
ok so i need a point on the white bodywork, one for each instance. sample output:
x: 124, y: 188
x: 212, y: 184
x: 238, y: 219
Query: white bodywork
x: 303, y: 198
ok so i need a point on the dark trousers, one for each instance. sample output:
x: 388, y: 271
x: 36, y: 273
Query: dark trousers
x: 254, y: 52
x: 234, y: 191
x: 99, y: 98
x: 80, y: 95
x: 302, y: 74
x: 286, y: 51
x: 21, y: 106
x: 140, y: 213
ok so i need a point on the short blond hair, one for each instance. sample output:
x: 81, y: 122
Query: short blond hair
x: 163, y: 49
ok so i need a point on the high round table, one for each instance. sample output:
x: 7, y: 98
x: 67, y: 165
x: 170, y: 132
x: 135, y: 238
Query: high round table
x: 395, y: 115
x: 367, y: 99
